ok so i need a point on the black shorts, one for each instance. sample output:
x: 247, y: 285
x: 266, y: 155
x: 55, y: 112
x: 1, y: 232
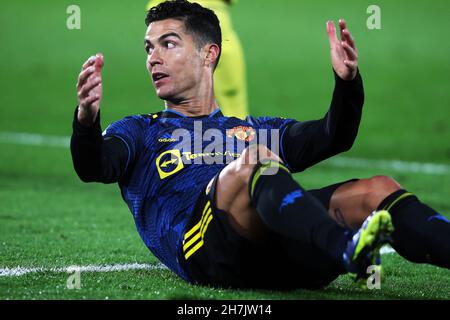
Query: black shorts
x: 214, y: 254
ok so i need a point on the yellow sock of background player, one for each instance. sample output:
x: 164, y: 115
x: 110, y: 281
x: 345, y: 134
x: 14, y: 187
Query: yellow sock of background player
x: 229, y: 78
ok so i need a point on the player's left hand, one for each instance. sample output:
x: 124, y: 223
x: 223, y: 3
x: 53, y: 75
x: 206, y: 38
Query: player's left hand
x: 344, y: 56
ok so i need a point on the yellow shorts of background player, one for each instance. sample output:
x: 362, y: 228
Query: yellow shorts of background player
x: 229, y: 78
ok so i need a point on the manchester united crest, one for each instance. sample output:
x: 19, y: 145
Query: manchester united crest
x: 242, y: 133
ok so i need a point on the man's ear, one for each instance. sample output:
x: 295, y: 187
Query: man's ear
x: 212, y: 54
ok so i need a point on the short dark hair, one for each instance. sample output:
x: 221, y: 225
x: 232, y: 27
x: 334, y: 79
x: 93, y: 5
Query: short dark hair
x: 200, y: 22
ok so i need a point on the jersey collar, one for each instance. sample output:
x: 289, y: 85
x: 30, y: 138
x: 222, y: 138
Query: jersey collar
x: 169, y: 113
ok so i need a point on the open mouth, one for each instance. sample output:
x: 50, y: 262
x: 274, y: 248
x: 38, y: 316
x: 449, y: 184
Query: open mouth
x: 158, y: 76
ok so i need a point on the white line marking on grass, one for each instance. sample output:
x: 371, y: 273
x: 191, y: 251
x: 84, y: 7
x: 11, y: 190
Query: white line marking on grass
x: 32, y: 139
x: 395, y: 165
x: 20, y: 271
x: 338, y: 162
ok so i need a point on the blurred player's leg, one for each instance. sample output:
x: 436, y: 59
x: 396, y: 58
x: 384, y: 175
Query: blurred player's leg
x: 229, y: 78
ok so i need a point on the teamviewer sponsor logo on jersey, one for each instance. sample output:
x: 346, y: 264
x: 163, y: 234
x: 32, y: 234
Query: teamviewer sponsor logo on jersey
x: 168, y: 163
x: 212, y: 146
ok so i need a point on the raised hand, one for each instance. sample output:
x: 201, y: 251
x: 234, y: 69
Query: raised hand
x: 344, y: 56
x: 89, y: 90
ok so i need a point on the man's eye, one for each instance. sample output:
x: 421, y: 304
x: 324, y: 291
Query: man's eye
x: 170, y: 45
x: 148, y: 50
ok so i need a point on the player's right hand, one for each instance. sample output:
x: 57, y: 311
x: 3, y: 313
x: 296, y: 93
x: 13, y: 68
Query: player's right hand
x: 89, y: 90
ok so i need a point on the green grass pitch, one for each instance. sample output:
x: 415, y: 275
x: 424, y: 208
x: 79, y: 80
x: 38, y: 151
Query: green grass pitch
x: 49, y: 219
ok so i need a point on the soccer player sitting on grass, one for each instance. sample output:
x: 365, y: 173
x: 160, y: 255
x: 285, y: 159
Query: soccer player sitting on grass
x: 213, y: 197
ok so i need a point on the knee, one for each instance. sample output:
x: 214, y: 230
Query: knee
x: 383, y: 184
x: 244, y: 166
x: 378, y: 188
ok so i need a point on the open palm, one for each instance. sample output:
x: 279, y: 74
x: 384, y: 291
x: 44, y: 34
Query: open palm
x: 344, y: 56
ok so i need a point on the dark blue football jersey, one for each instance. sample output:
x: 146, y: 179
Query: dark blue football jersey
x: 171, y: 159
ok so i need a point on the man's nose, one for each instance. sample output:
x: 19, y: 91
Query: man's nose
x: 155, y: 58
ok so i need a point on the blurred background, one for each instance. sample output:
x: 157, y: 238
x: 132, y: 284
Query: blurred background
x: 48, y: 217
